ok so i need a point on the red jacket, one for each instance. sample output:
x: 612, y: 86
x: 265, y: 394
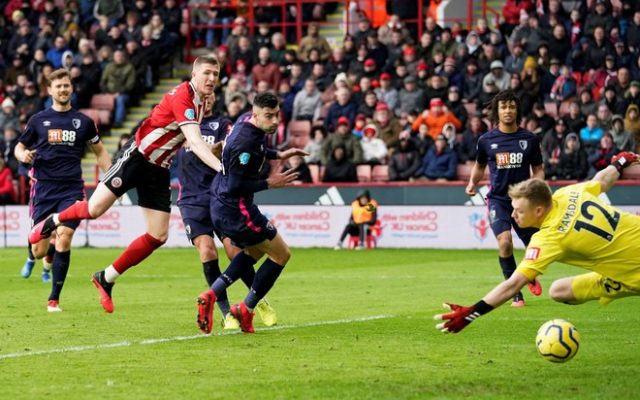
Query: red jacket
x: 6, y: 183
x: 512, y: 8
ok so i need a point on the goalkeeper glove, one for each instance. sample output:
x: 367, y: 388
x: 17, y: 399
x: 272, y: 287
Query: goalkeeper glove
x: 624, y: 159
x: 461, y: 316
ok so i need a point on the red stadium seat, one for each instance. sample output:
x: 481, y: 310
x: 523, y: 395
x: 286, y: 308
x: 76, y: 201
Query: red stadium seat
x: 463, y: 172
x: 380, y: 173
x: 103, y: 101
x: 551, y: 108
x: 92, y: 113
x: 314, y: 169
x: 364, y: 173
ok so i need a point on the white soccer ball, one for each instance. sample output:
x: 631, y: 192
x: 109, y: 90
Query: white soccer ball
x: 558, y: 340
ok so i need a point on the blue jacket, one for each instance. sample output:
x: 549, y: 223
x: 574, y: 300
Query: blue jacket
x: 443, y: 165
x: 336, y: 111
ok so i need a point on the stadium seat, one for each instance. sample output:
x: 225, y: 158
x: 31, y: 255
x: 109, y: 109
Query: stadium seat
x: 298, y: 134
x: 103, y: 101
x: 105, y: 117
x: 364, y: 173
x: 380, y: 173
x: 92, y: 113
x: 371, y: 240
x: 463, y: 172
x: 551, y: 108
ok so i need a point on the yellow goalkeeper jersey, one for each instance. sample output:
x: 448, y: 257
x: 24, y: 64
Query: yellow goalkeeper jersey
x: 583, y: 231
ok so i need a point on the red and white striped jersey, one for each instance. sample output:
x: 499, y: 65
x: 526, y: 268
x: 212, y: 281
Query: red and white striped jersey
x: 159, y: 137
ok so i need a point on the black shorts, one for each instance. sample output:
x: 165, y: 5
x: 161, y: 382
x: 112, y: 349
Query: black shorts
x: 501, y: 220
x: 152, y: 182
x: 197, y: 221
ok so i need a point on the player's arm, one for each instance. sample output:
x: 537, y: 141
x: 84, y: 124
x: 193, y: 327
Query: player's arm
x: 461, y: 316
x: 23, y: 154
x: 193, y: 135
x: 283, y: 155
x: 477, y: 172
x: 609, y: 176
x: 102, y: 156
x: 537, y: 171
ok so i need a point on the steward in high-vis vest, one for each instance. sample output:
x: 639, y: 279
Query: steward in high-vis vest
x: 364, y: 214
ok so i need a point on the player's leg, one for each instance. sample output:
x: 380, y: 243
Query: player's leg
x: 587, y: 287
x: 47, y: 261
x: 525, y: 235
x: 500, y: 218
x: 60, y: 268
x: 29, y: 263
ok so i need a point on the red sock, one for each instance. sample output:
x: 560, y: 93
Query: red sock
x: 79, y: 210
x: 137, y: 251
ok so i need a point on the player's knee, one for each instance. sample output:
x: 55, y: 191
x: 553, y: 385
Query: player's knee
x: 283, y: 256
x: 560, y: 291
x: 158, y: 240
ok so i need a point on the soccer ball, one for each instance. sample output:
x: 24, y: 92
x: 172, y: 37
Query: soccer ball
x: 558, y: 340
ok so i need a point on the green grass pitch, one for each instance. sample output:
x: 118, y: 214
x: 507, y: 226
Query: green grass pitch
x: 352, y: 325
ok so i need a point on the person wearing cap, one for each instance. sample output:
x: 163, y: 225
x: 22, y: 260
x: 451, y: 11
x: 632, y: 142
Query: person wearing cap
x: 388, y: 125
x: 358, y: 126
x: 369, y: 67
x: 387, y: 93
x: 344, y: 138
x: 311, y: 41
x: 364, y: 214
x: 405, y: 160
x: 374, y: 150
x: 496, y: 80
x: 440, y: 162
x: 513, y: 155
x: 435, y: 117
x: 342, y: 107
x: 410, y: 96
x: 8, y: 114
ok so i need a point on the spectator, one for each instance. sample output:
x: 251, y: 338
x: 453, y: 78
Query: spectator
x: 569, y: 163
x: 565, y: 85
x: 133, y: 28
x: 604, y: 117
x: 313, y: 40
x: 30, y: 103
x: 591, y: 134
x: 511, y: 12
x: 622, y: 139
x: 410, y: 97
x: 468, y: 145
x: 559, y: 43
x: 342, y: 138
x: 342, y: 107
x: 388, y: 126
x: 363, y: 216
x: 119, y: 78
x: 339, y: 168
x: 374, y: 150
x: 171, y: 16
x: 8, y: 115
x: 387, y: 93
x: 266, y: 70
x: 54, y: 55
x: 514, y: 62
x: 495, y: 81
x: 553, y: 140
x: 574, y: 119
x: 631, y: 124
x: 358, y: 126
x: 600, y: 157
x: 440, y: 162
x: 112, y: 9
x: 587, y: 105
x: 368, y: 106
x: 436, y: 117
x: 405, y: 160
x: 472, y: 82
x: 7, y: 190
x: 456, y: 106
x: 22, y: 42
x: 599, y: 17
x: 314, y: 146
x: 8, y: 147
x: 297, y: 164
x: 307, y: 102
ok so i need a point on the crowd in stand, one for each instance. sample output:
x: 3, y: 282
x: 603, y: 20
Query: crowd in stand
x: 385, y: 96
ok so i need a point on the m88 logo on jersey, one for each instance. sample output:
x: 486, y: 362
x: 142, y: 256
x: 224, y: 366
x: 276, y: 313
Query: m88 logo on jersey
x: 61, y: 136
x: 509, y: 160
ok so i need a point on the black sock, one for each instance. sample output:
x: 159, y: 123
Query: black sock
x: 248, y: 275
x: 266, y: 276
x: 211, y: 271
x: 60, y: 268
x: 51, y: 250
x: 234, y: 271
x: 30, y: 255
x: 508, y: 265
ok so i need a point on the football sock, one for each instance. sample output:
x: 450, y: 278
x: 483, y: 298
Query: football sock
x: 48, y: 258
x: 248, y: 275
x: 211, y: 271
x: 239, y: 263
x: 77, y: 211
x: 137, y: 251
x: 30, y: 255
x: 266, y: 276
x: 110, y: 274
x: 508, y: 265
x: 60, y: 269
x: 224, y: 306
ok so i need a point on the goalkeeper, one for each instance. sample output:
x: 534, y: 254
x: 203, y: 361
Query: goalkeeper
x: 576, y: 228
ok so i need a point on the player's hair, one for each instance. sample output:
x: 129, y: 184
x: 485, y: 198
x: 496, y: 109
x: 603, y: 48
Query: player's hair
x: 535, y: 190
x: 505, y: 95
x: 211, y: 59
x: 57, y: 74
x: 266, y: 100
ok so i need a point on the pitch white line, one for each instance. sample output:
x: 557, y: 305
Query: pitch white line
x: 143, y: 342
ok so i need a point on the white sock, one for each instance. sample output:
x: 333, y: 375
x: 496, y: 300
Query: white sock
x: 110, y: 274
x: 56, y: 220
